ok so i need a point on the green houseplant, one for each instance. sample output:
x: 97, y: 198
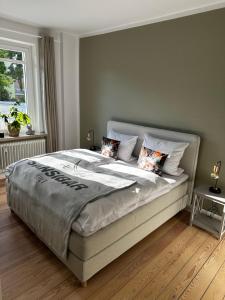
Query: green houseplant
x: 15, y: 119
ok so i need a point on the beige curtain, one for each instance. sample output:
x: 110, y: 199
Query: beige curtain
x: 48, y: 87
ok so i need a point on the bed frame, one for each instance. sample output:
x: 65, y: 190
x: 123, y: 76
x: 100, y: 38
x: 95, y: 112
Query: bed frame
x: 85, y: 268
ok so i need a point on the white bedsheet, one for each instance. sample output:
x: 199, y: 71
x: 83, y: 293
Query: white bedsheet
x: 106, y: 210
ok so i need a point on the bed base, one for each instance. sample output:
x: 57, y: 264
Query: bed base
x: 84, y: 270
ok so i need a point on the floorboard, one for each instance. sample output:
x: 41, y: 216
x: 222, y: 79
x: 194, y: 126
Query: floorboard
x: 163, y: 277
x: 183, y: 278
x: 176, y: 261
x: 215, y: 290
x: 206, y: 275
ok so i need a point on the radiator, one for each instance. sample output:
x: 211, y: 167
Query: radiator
x: 16, y: 150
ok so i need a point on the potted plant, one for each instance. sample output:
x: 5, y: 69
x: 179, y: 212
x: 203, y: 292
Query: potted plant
x: 15, y: 119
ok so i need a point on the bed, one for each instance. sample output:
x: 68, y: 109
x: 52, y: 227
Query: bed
x: 90, y: 250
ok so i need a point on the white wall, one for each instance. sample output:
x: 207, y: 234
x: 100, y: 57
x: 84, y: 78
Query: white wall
x: 18, y: 31
x: 67, y: 88
x: 70, y: 89
x: 67, y: 75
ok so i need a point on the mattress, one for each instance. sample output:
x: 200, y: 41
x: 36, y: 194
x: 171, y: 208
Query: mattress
x: 106, y: 210
x: 86, y: 247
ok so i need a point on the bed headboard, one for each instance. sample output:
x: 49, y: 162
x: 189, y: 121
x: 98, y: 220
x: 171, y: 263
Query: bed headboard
x: 190, y: 158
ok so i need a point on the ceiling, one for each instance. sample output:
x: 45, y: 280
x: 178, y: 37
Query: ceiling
x: 88, y: 17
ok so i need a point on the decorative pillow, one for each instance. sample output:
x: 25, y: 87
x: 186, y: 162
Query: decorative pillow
x: 151, y: 160
x: 175, y: 151
x: 127, y: 144
x: 110, y: 147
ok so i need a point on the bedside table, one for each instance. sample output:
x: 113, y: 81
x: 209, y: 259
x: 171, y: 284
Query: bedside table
x: 205, y: 219
x: 95, y: 148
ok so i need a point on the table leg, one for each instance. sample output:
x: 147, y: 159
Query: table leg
x: 193, y: 209
x: 222, y: 225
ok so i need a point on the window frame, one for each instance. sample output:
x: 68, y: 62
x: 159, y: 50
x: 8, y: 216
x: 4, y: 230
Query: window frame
x: 31, y: 83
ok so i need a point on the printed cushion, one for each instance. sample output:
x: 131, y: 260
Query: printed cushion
x: 110, y: 147
x: 151, y: 160
x: 127, y: 144
x: 175, y: 151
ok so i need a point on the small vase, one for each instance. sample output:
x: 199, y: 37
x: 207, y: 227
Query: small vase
x: 13, y: 132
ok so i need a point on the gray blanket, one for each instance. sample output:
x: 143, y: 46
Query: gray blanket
x: 48, y: 192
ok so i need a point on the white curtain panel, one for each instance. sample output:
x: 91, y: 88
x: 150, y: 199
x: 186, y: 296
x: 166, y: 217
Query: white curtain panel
x: 48, y: 88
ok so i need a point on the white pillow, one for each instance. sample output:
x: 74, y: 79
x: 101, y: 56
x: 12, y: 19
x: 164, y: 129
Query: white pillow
x: 175, y: 151
x: 127, y: 144
x: 178, y: 172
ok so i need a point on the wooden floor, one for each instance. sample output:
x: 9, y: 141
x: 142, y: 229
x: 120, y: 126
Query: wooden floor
x: 174, y: 262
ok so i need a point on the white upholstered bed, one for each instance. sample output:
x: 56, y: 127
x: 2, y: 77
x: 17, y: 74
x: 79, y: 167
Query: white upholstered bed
x: 89, y: 254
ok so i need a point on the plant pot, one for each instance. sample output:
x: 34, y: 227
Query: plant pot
x: 13, y: 132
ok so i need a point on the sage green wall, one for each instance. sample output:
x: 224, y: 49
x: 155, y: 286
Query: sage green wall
x: 169, y: 75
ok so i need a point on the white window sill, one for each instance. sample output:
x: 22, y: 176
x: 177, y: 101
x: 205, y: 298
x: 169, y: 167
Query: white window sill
x: 22, y: 137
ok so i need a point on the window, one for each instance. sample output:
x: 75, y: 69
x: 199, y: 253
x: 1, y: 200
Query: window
x: 19, y: 80
x: 12, y: 79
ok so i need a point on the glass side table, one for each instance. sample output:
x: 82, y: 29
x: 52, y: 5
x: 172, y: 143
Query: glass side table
x: 206, y: 219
